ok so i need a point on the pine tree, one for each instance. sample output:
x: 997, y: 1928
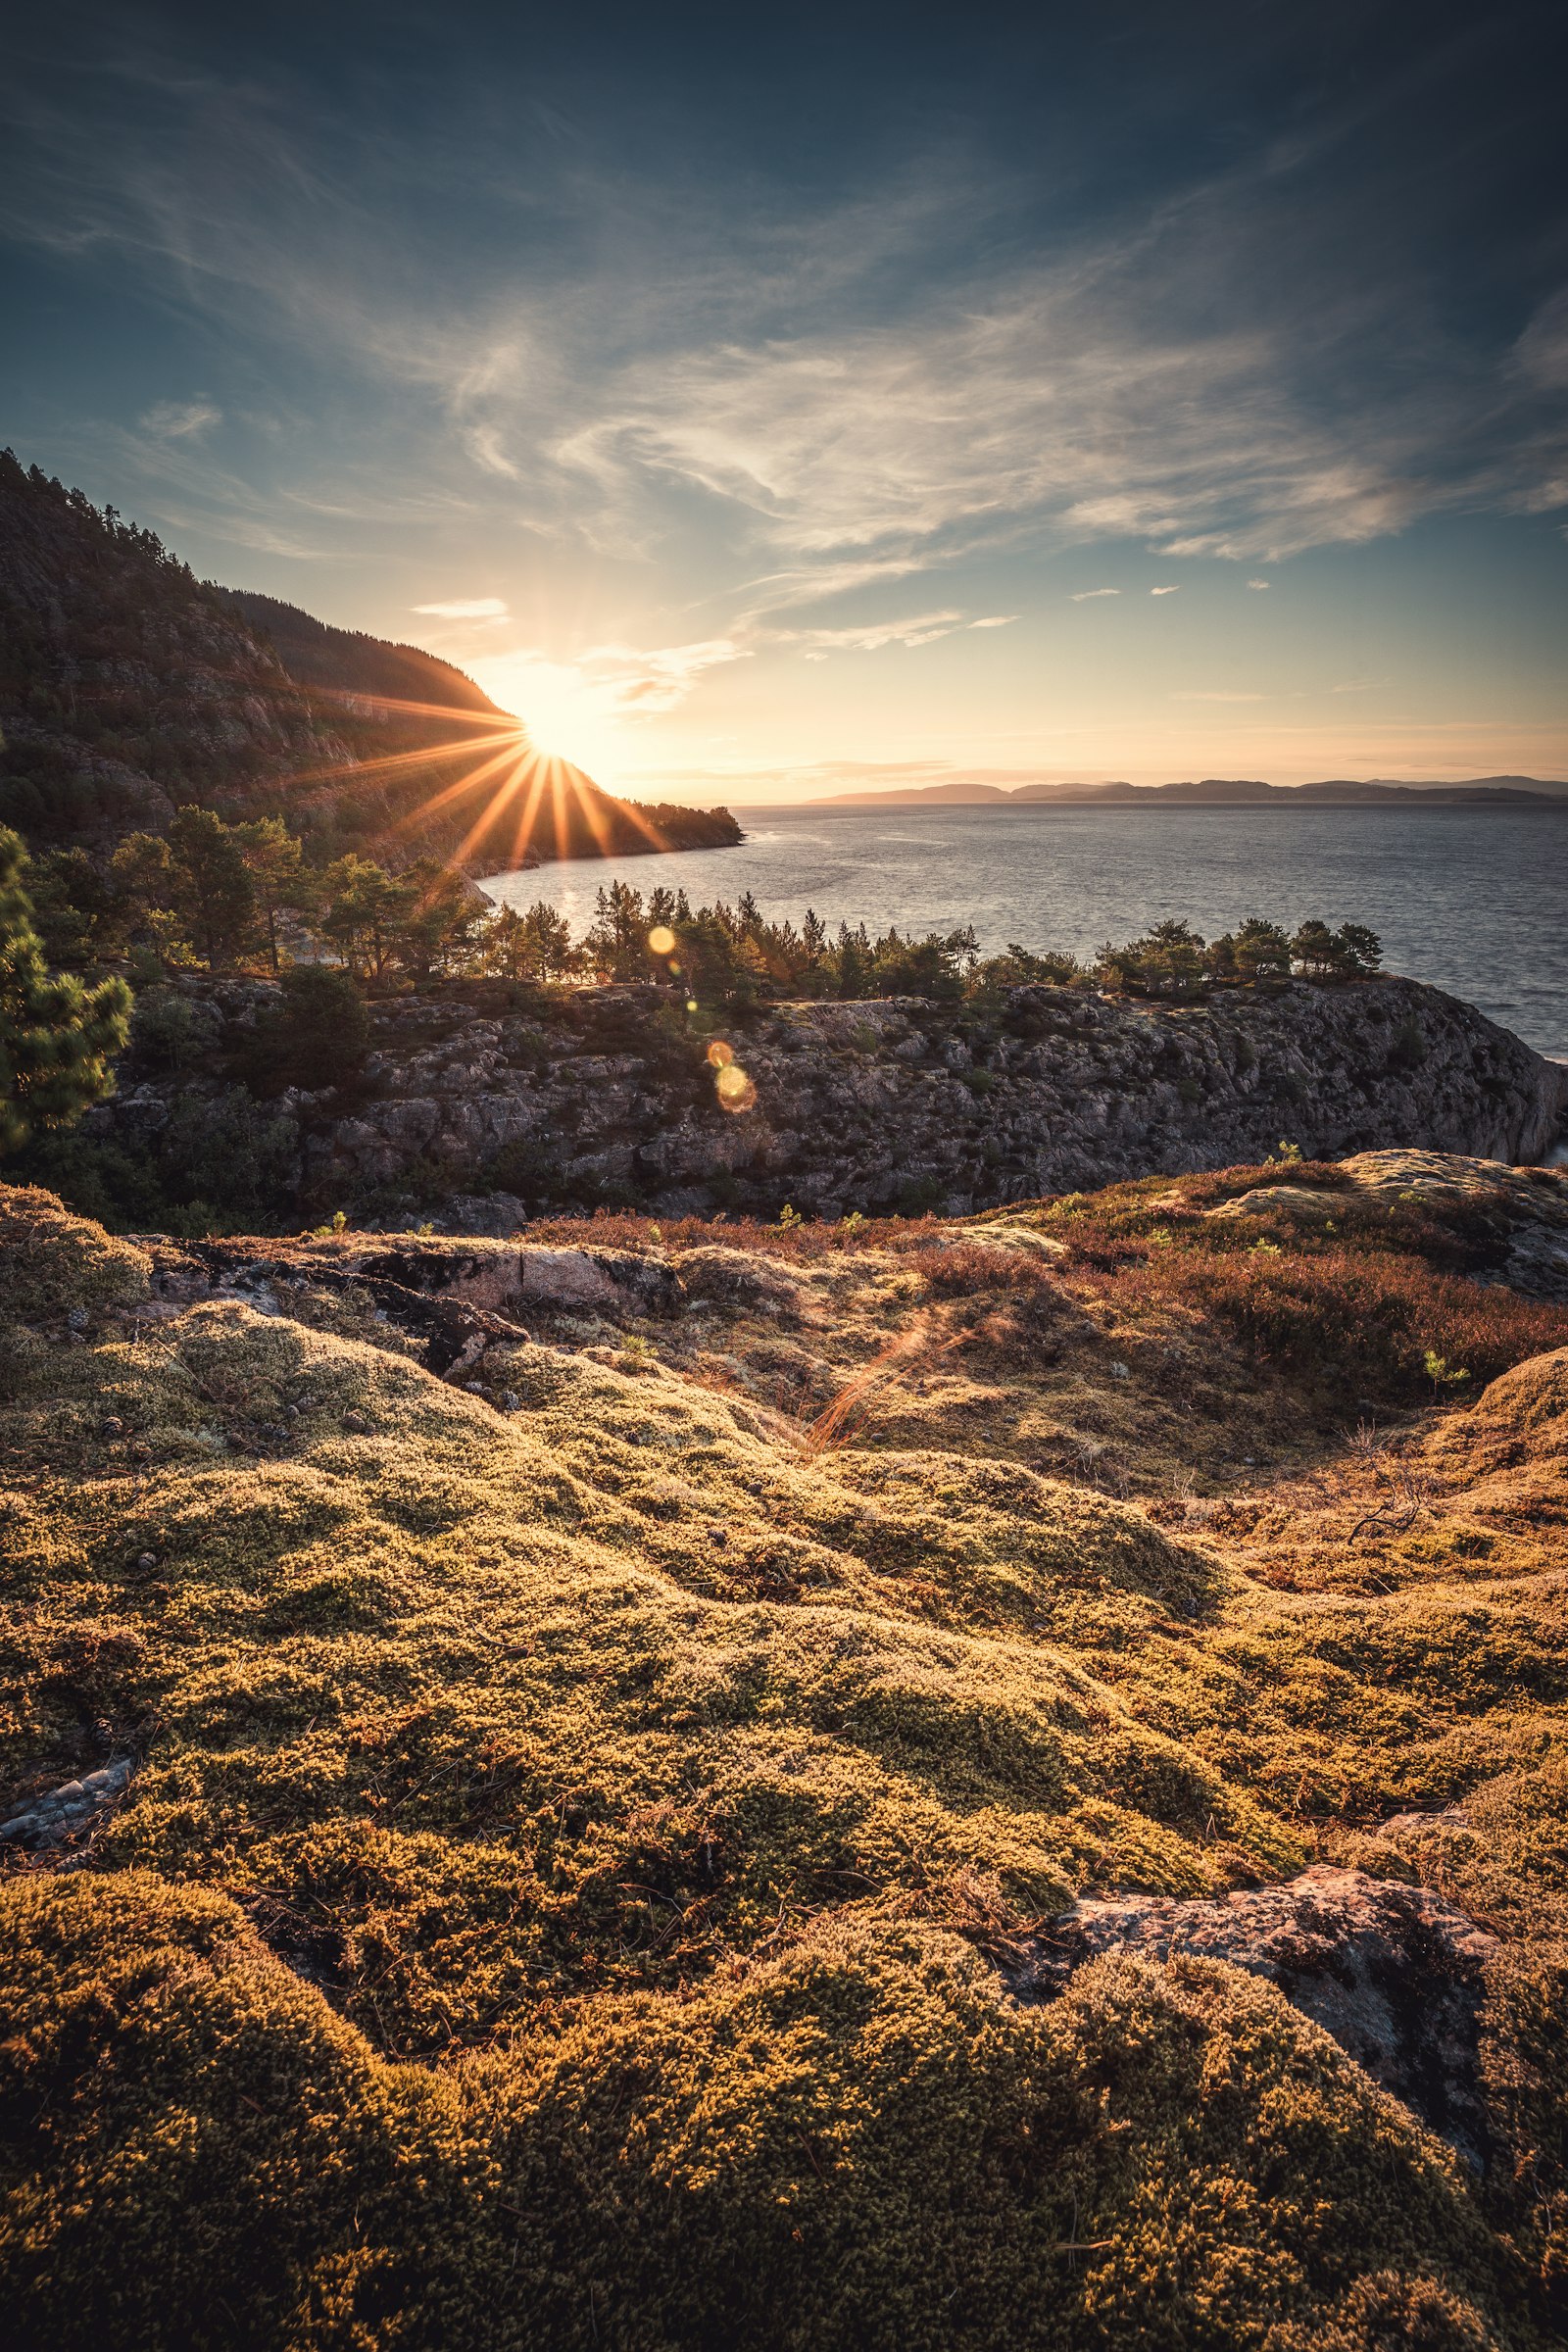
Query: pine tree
x: 56, y: 1035
x: 361, y: 905
x: 439, y: 915
x: 214, y: 888
x: 281, y: 882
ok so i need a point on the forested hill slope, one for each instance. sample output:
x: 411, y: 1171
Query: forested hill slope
x: 129, y: 688
x: 126, y: 685
x: 321, y: 659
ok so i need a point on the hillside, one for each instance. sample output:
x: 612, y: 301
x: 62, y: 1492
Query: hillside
x: 938, y: 1785
x: 129, y: 687
x: 1217, y: 792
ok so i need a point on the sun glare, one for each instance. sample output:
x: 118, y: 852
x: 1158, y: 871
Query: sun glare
x: 565, y: 713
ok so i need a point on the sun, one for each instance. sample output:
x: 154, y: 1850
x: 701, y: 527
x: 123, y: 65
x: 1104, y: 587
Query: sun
x: 566, y: 714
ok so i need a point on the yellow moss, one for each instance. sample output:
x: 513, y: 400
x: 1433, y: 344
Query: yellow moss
x: 638, y: 1797
x: 51, y: 1261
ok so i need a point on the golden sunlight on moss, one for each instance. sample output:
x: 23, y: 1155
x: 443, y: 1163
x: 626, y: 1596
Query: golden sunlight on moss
x: 583, y: 1812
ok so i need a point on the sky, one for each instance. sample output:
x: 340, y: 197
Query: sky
x: 769, y: 403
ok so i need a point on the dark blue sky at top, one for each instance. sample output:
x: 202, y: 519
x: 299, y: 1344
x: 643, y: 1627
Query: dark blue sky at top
x: 918, y: 319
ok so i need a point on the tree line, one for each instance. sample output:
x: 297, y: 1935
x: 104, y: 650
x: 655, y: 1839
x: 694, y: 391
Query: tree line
x: 210, y: 896
x: 213, y: 896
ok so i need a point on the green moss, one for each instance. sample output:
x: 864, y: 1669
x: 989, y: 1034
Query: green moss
x: 559, y: 1894
x: 857, y: 2141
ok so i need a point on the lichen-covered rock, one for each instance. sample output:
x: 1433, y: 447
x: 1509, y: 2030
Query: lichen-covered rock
x: 1395, y: 1972
x: 592, y: 1097
x: 1527, y: 1209
x: 591, y: 1789
x: 53, y: 1265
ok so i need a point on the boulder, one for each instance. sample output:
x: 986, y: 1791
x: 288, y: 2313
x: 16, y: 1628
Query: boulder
x: 1393, y: 1972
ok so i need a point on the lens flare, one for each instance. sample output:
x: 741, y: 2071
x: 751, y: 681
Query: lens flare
x: 734, y: 1089
x: 720, y: 1055
x: 660, y: 940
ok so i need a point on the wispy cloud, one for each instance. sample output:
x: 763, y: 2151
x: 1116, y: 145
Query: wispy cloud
x: 1101, y: 394
x: 1174, y: 589
x: 780, y: 415
x: 870, y: 637
x: 656, y: 678
x: 469, y: 608
x: 179, y: 420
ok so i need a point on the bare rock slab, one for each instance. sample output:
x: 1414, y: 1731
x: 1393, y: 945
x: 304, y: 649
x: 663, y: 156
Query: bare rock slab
x: 1395, y: 1972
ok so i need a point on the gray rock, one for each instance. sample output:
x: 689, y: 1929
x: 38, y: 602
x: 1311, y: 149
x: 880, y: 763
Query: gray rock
x: 55, y: 1815
x: 874, y: 1105
x: 1395, y: 1972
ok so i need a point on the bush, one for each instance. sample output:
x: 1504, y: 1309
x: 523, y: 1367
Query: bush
x: 1407, y: 1049
x: 1338, y: 1317
x: 318, y: 1034
x: 169, y: 1031
x: 230, y: 1150
x: 967, y: 1269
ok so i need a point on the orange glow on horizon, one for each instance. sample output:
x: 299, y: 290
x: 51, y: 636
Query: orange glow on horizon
x: 558, y: 804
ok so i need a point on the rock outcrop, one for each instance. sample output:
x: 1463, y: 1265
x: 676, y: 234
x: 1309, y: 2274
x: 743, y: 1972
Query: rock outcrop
x: 1395, y: 1972
x: 575, y: 1841
x: 1526, y: 1208
x: 597, y: 1097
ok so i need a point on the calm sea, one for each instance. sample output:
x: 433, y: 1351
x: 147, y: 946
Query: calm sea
x: 1474, y: 901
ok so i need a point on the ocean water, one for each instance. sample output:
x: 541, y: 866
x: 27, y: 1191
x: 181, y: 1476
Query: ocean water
x: 1473, y: 899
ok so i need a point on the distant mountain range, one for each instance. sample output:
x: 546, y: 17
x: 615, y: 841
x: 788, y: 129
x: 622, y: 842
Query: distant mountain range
x: 1211, y: 792
x: 129, y: 687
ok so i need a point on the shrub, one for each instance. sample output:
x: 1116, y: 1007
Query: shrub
x: 173, y: 1031
x: 57, y: 1036
x: 1407, y: 1048
x: 231, y: 1149
x: 1337, y: 1315
x: 316, y: 1035
x: 967, y: 1269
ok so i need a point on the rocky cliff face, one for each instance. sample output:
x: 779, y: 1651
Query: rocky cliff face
x: 600, y: 1098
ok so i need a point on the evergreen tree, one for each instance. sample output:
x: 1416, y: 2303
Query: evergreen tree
x: 1360, y: 950
x: 318, y: 1033
x: 1313, y: 947
x: 81, y: 914
x: 437, y: 919
x: 1262, y: 950
x: 279, y: 878
x: 214, y: 889
x: 56, y: 1035
x: 618, y: 942
x: 361, y: 908
x: 722, y: 973
x: 852, y: 963
x: 194, y: 889
x: 536, y: 945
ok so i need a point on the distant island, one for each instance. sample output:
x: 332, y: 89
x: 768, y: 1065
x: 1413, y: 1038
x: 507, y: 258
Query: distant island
x: 1211, y: 792
x: 130, y: 689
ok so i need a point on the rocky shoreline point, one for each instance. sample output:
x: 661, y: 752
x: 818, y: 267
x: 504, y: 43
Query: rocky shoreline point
x: 480, y: 1110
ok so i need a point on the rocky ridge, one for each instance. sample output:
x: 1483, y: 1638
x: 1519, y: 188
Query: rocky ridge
x: 490, y: 1111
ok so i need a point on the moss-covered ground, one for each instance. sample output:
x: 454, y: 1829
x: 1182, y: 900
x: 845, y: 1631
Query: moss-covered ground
x: 560, y: 1897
